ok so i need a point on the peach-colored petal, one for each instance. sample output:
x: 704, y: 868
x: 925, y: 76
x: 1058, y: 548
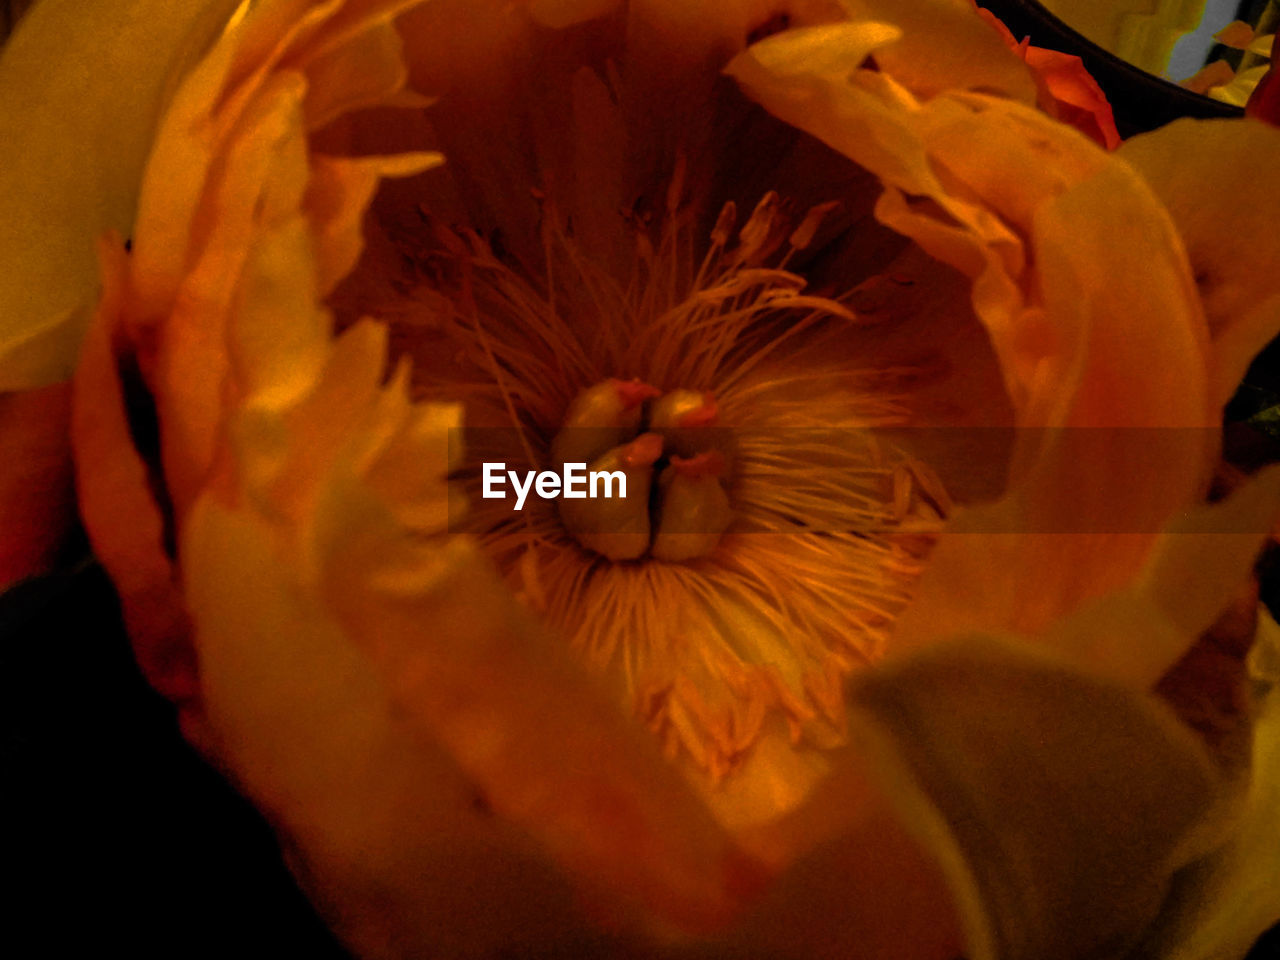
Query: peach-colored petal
x: 279, y: 41
x: 871, y: 119
x: 1207, y: 174
x: 361, y: 73
x: 1116, y: 301
x: 123, y: 520
x: 192, y: 369
x: 849, y: 843
x: 1194, y: 569
x: 190, y: 249
x: 394, y: 843
x: 871, y: 893
x: 36, y: 498
x: 1106, y: 339
x: 945, y: 47
x: 550, y: 749
x: 338, y: 194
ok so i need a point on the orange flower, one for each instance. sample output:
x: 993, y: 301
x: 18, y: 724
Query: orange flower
x: 880, y: 695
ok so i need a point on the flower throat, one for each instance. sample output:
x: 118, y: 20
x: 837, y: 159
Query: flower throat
x: 756, y: 560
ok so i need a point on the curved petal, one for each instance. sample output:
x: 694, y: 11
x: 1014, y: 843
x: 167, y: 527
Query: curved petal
x: 1067, y: 90
x: 58, y: 195
x: 1073, y: 762
x: 873, y: 892
x: 1211, y: 176
x: 393, y: 841
x: 280, y: 43
x: 1077, y: 98
x: 1223, y: 903
x: 251, y: 104
x: 1108, y: 383
x: 126, y: 525
x: 946, y: 46
x: 1193, y: 570
x: 1058, y: 805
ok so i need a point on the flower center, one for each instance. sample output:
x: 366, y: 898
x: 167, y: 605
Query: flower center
x: 769, y: 536
x: 672, y: 464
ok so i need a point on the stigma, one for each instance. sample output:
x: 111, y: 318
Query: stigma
x: 676, y: 504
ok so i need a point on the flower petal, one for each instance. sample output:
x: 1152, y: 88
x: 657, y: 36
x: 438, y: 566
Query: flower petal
x: 1223, y: 903
x: 1210, y: 175
x: 945, y: 46
x: 199, y: 219
x: 1077, y: 98
x: 393, y: 841
x: 1116, y: 423
x: 1057, y: 804
x: 338, y: 195
x: 550, y: 749
x: 856, y: 877
x: 57, y: 195
x: 1193, y: 570
x: 126, y: 526
x: 992, y: 186
x: 278, y: 42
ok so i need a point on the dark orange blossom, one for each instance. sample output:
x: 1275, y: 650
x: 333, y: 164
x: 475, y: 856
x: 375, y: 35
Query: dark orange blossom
x: 896, y: 699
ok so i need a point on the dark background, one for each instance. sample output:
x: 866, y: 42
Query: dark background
x: 118, y: 837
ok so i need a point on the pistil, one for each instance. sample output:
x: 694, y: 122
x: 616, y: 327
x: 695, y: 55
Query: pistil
x: 630, y: 427
x: 695, y: 507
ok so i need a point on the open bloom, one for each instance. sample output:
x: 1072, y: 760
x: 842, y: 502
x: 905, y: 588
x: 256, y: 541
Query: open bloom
x: 834, y: 681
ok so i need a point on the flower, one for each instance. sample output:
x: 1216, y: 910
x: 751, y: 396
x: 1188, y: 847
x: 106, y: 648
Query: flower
x: 903, y: 693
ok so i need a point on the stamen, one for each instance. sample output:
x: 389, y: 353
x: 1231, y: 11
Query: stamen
x: 768, y: 537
